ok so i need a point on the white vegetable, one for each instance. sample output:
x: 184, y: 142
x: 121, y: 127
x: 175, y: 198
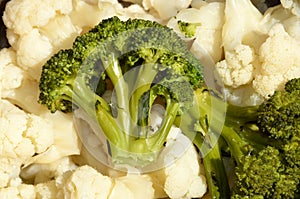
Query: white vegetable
x: 208, y: 34
x: 86, y: 182
x: 183, y: 178
x: 16, y: 85
x: 23, y: 15
x: 241, y: 39
x: 280, y: 61
x: 47, y: 190
x: 293, y: 5
x: 65, y: 143
x: 180, y: 177
x: 165, y: 9
x: 22, y: 136
x: 22, y: 191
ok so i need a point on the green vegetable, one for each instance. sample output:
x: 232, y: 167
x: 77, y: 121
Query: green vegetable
x: 143, y: 61
x: 188, y: 29
x: 262, y: 141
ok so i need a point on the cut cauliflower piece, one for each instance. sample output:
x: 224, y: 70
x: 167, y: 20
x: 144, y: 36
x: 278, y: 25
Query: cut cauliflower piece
x: 280, y: 61
x: 23, y: 191
x: 183, y: 178
x: 242, y: 96
x: 66, y: 141
x: 293, y: 5
x: 22, y: 136
x: 33, y: 50
x: 97, y: 11
x: 165, y: 9
x: 60, y: 31
x: 181, y: 175
x: 136, y: 11
x: 237, y: 69
x: 140, y: 186
x: 47, y: 190
x: 86, y: 182
x: 16, y: 84
x: 40, y: 173
x: 241, y: 37
x: 23, y: 15
x: 208, y: 34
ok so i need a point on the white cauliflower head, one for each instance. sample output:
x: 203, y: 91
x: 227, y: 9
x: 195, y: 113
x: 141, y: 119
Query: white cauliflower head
x: 165, y: 9
x: 293, y: 5
x: 280, y: 61
x: 238, y: 66
x: 22, y: 136
x: 17, y: 85
x: 181, y: 176
x: 208, y: 34
x: 86, y: 182
x: 23, y: 15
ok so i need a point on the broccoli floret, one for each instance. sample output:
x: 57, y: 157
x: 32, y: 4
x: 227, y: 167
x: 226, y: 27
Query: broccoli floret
x: 268, y: 158
x: 188, y: 29
x: 262, y: 141
x: 132, y: 58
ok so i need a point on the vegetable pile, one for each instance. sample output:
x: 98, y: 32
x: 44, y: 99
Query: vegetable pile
x: 185, y: 100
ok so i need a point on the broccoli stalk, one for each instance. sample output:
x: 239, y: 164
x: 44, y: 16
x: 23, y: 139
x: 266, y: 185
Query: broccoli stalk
x: 263, y: 142
x: 266, y: 150
x: 134, y: 57
x: 145, y: 63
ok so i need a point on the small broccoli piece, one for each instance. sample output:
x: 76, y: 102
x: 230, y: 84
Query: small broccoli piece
x: 270, y: 169
x: 188, y: 29
x: 262, y: 141
x: 280, y: 116
x: 132, y: 58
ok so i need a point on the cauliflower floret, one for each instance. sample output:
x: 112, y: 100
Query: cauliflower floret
x: 22, y: 191
x: 237, y: 68
x: 97, y: 11
x: 22, y: 135
x: 143, y: 182
x: 39, y: 173
x: 60, y: 31
x: 86, y: 182
x: 37, y: 29
x: 47, y: 190
x: 66, y: 141
x: 293, y: 5
x: 23, y: 15
x: 181, y: 176
x: 13, y: 75
x: 9, y: 170
x: 16, y: 84
x: 136, y: 11
x: 33, y: 49
x: 242, y: 96
x: 280, y: 61
x: 165, y: 9
x: 208, y: 34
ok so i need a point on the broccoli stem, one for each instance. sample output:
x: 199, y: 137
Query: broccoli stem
x: 160, y: 136
x: 215, y: 172
x: 146, y: 74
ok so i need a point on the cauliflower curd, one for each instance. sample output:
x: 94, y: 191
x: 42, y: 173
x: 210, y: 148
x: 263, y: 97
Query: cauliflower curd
x: 253, y: 54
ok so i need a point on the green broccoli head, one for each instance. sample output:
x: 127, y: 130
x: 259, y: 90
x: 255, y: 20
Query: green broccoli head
x: 131, y: 58
x: 188, y: 29
x: 57, y: 75
x: 280, y: 115
x: 257, y: 174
